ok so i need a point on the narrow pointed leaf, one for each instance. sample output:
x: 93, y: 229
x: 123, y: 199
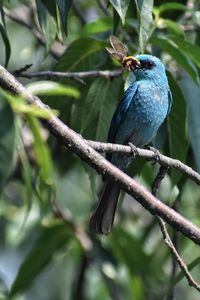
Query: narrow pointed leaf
x: 121, y: 7
x: 190, y: 49
x: 172, y: 6
x: 7, y: 140
x: 192, y: 95
x: 64, y: 8
x: 178, y: 142
x: 176, y: 53
x: 47, y: 23
x: 145, y: 8
x: 6, y: 44
x: 52, y: 88
x: 51, y: 7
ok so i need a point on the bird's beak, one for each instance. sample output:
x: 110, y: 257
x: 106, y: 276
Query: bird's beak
x: 131, y: 63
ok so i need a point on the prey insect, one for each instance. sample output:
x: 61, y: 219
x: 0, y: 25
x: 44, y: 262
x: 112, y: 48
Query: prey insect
x: 119, y: 51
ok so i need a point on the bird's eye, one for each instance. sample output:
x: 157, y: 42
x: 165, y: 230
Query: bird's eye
x: 147, y: 64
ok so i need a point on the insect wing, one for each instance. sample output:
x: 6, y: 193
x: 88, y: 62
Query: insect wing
x: 115, y: 54
x: 118, y: 46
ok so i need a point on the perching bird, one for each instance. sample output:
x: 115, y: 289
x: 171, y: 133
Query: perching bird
x: 143, y: 108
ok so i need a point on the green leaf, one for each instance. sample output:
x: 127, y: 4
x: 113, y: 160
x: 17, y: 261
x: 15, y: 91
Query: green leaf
x: 98, y: 108
x: 50, y: 240
x: 52, y: 88
x: 122, y: 242
x: 173, y: 27
x: 7, y: 140
x: 42, y: 154
x: 82, y: 54
x: 2, y: 14
x: 47, y: 23
x: 51, y: 7
x: 26, y: 168
x: 145, y: 8
x: 172, y: 6
x: 20, y: 106
x: 190, y: 49
x: 64, y: 8
x: 178, y: 142
x: 192, y: 95
x: 121, y: 7
x: 176, y: 53
x: 97, y: 26
x: 6, y: 44
x: 116, y: 21
x: 139, y: 4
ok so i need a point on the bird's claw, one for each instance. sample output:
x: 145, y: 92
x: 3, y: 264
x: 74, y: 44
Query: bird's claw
x: 156, y: 153
x: 134, y: 151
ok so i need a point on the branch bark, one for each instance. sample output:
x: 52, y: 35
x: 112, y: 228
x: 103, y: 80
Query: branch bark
x: 165, y: 161
x: 72, y: 75
x: 79, y: 146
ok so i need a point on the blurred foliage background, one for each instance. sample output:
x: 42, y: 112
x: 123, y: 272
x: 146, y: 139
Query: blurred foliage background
x: 47, y: 193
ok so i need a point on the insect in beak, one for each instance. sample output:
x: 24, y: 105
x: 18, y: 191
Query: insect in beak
x: 119, y: 51
x: 131, y: 63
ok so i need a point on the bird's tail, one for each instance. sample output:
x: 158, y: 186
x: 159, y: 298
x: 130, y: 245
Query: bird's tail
x: 102, y: 219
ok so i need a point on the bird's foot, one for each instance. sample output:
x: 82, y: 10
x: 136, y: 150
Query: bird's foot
x: 156, y: 153
x: 134, y: 151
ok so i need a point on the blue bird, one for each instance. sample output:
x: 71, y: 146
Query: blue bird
x: 142, y: 109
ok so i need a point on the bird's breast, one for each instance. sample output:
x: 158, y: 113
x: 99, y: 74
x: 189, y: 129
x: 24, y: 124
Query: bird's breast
x: 151, y: 104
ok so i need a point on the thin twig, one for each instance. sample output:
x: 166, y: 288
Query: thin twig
x: 175, y: 241
x: 79, y: 146
x: 174, y: 252
x: 157, y: 181
x: 155, y: 186
x: 21, y: 70
x: 72, y: 75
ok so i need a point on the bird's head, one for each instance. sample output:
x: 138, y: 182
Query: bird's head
x: 149, y: 67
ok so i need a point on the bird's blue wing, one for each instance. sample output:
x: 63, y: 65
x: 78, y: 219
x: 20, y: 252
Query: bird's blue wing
x: 121, y: 110
x: 170, y: 99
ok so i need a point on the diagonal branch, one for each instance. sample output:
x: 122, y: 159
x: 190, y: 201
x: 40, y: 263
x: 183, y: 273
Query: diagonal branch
x: 78, y: 145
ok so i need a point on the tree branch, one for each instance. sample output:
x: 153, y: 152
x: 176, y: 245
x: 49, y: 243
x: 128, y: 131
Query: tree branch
x: 149, y: 155
x: 155, y: 186
x: 174, y: 264
x: 79, y: 146
x: 179, y: 260
x: 72, y: 75
x: 157, y: 181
